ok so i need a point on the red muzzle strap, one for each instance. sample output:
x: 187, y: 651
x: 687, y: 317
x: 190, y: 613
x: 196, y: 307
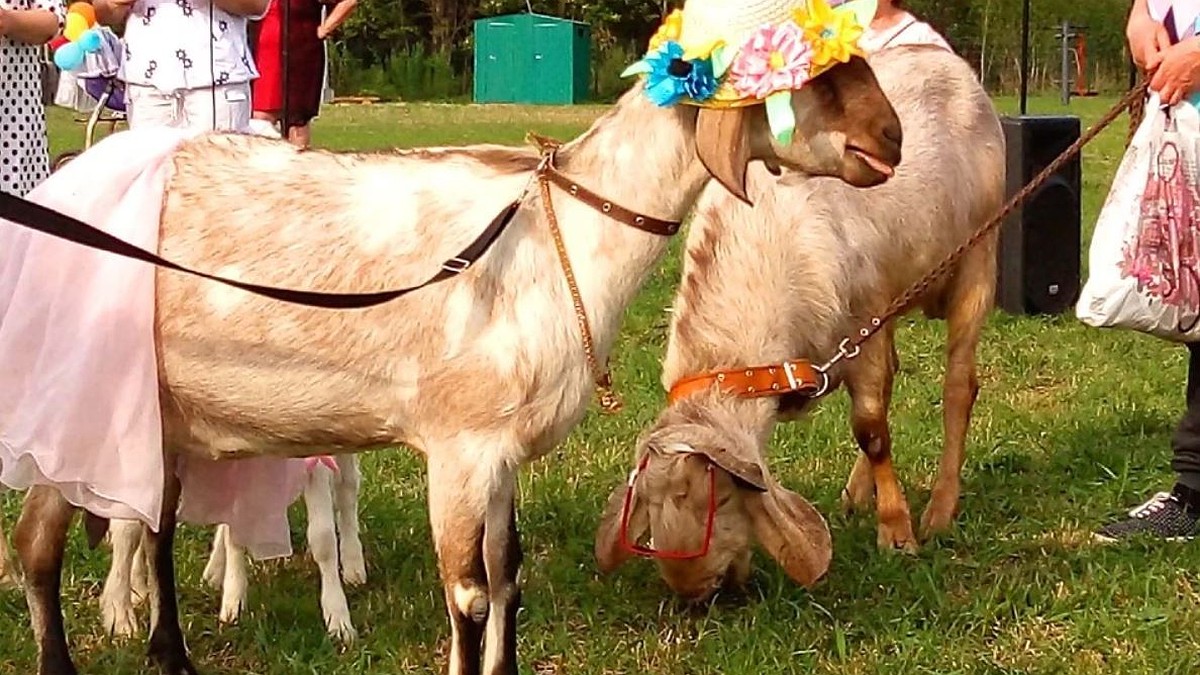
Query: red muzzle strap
x: 648, y: 551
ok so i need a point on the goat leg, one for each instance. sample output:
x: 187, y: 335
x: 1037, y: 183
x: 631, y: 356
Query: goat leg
x: 116, y: 600
x: 459, y: 492
x: 167, y: 647
x: 40, y: 538
x: 502, y: 560
x: 869, y: 382
x: 322, y: 543
x: 345, y: 494
x: 968, y: 308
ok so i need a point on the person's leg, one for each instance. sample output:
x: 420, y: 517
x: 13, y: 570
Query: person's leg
x: 1172, y: 515
x: 230, y: 103
x: 300, y: 136
x: 148, y: 107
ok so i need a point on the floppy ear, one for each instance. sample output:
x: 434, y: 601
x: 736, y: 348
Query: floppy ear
x: 746, y: 472
x: 609, y: 553
x: 792, y: 532
x: 723, y: 145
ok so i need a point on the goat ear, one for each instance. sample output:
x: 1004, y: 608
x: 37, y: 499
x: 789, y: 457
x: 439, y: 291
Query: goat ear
x: 746, y: 472
x: 609, y: 553
x: 723, y: 145
x: 792, y: 532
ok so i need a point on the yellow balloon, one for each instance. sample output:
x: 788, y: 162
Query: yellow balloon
x: 74, y: 27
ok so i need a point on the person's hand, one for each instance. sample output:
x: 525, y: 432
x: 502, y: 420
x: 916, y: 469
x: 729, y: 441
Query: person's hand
x: 1178, y: 71
x: 1147, y: 40
x: 323, y: 32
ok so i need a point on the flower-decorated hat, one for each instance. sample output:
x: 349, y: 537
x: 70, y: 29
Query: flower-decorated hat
x: 733, y: 53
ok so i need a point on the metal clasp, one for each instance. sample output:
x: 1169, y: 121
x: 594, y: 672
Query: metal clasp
x: 456, y: 265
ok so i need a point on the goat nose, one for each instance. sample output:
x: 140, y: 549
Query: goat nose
x: 894, y: 133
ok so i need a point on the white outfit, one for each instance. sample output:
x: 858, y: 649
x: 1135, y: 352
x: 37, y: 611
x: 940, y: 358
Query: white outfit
x: 907, y: 31
x: 187, y: 64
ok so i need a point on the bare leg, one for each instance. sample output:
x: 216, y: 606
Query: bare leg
x: 968, y: 308
x: 40, y: 538
x: 300, y: 136
x: 116, y: 606
x: 345, y: 494
x: 869, y: 380
x: 322, y: 543
x: 167, y: 647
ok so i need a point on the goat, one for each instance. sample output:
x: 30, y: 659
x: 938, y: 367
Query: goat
x: 810, y: 263
x: 329, y: 496
x: 126, y: 585
x: 481, y: 373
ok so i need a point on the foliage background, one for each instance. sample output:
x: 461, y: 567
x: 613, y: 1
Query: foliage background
x: 422, y: 49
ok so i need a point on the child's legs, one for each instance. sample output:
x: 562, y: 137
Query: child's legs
x: 230, y: 102
x: 149, y: 107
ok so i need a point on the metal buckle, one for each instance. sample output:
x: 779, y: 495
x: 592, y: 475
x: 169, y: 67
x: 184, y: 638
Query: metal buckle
x: 456, y: 265
x: 789, y: 369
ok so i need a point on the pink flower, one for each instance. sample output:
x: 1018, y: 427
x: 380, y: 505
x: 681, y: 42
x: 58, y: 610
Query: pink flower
x: 776, y: 58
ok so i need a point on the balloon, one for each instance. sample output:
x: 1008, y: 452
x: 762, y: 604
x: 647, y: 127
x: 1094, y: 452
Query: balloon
x: 57, y: 42
x: 74, y: 27
x: 89, y: 41
x: 69, y: 56
x: 85, y: 10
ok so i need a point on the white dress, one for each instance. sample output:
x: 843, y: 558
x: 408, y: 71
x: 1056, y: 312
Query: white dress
x: 907, y: 31
x: 24, y: 152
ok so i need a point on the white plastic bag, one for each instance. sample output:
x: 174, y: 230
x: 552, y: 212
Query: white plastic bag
x: 1144, y: 261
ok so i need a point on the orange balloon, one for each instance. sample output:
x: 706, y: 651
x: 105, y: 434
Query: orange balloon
x: 85, y: 10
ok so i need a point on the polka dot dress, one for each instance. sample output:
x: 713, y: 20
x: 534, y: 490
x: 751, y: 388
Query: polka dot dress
x: 24, y: 154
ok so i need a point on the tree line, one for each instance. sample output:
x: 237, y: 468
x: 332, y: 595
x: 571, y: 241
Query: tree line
x: 421, y: 49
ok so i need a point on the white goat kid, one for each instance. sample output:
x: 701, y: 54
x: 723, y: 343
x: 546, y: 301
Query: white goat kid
x: 331, y: 503
x: 482, y: 372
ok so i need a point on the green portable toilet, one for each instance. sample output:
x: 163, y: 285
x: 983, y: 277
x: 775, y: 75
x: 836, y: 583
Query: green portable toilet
x: 532, y: 58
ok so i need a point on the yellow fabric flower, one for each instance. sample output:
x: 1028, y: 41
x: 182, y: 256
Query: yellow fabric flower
x: 833, y: 34
x: 670, y: 30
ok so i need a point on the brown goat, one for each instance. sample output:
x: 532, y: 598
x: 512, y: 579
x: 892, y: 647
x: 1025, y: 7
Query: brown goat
x: 787, y: 279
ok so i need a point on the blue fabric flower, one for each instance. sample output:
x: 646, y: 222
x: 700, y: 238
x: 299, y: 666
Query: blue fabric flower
x: 671, y: 78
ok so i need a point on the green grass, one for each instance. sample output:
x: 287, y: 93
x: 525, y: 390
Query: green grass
x: 1071, y: 428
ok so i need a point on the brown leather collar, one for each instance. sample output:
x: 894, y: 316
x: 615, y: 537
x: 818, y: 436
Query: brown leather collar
x: 758, y: 381
x: 664, y: 228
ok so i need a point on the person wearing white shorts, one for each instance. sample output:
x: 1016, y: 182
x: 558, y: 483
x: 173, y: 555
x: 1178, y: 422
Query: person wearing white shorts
x: 187, y: 63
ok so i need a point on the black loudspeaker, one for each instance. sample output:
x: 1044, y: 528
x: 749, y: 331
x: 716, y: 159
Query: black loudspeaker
x: 1039, y: 250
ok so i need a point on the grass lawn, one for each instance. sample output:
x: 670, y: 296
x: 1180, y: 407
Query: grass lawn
x: 1071, y: 429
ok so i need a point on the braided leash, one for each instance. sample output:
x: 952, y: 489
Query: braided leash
x: 850, y: 346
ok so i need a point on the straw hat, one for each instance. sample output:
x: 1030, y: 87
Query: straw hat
x: 734, y: 53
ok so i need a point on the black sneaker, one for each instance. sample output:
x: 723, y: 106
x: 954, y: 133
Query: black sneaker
x: 1165, y: 516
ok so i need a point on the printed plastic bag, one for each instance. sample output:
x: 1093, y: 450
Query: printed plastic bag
x: 1144, y: 259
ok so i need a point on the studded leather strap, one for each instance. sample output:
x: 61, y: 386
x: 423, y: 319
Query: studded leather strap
x: 756, y: 382
x: 664, y: 228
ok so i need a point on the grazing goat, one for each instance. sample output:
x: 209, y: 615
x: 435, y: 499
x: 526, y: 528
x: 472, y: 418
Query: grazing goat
x: 482, y: 372
x: 331, y: 501
x: 809, y: 264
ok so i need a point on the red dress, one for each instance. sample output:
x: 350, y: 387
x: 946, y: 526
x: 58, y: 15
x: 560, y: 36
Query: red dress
x: 306, y: 60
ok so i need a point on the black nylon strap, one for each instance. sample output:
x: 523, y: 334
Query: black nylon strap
x: 48, y: 221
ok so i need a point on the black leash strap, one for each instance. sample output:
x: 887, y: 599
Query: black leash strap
x: 48, y: 221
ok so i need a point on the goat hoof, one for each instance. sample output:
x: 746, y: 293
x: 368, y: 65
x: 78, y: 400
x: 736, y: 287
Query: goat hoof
x: 935, y: 522
x: 857, y: 501
x: 56, y: 665
x: 230, y: 612
x: 341, y: 630
x: 119, y: 618
x: 354, y: 570
x: 172, y: 661
x: 899, y: 539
